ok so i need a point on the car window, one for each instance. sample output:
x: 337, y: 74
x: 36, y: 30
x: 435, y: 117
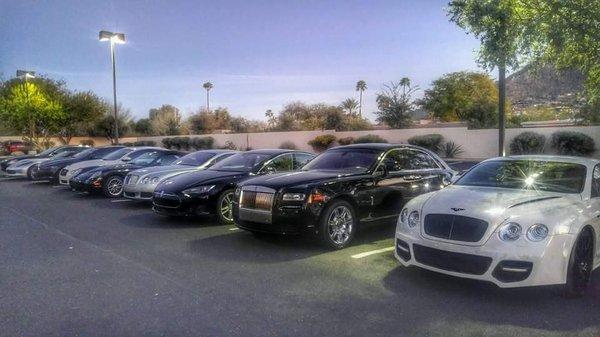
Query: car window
x: 167, y: 159
x: 102, y: 152
x: 301, y: 159
x: 117, y: 154
x: 596, y: 182
x: 408, y: 159
x: 241, y: 162
x: 279, y: 164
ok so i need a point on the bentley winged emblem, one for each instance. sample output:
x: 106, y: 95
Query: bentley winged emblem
x: 456, y: 209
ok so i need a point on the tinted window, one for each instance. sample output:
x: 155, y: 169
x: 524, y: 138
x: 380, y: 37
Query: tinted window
x: 405, y: 159
x: 195, y: 159
x: 527, y: 174
x: 301, y: 159
x: 85, y: 153
x: 117, y: 154
x: 102, y: 152
x: 167, y: 159
x: 351, y: 160
x: 242, y: 162
x: 596, y: 182
x: 280, y: 164
x: 146, y: 158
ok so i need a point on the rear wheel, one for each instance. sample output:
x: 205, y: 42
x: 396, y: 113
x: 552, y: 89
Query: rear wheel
x: 581, y: 263
x: 337, y: 225
x: 225, y: 207
x: 30, y: 172
x: 113, y: 186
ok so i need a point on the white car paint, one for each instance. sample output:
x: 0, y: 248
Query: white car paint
x: 565, y: 215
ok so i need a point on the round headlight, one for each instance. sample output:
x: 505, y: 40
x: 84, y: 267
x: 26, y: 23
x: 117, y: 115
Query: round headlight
x: 413, y: 219
x: 537, y: 232
x: 510, y: 231
x: 155, y: 180
x: 404, y: 215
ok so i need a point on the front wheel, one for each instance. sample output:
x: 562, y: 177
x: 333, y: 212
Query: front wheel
x: 337, y: 225
x: 225, y: 207
x: 113, y: 187
x: 581, y: 263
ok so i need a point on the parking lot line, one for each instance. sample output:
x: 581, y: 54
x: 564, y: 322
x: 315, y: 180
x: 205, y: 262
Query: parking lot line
x: 121, y: 200
x: 233, y: 229
x: 372, y: 252
x: 58, y: 186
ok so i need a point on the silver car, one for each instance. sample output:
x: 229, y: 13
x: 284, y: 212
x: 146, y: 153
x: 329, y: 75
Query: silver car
x: 140, y: 184
x: 24, y: 168
x: 120, y: 156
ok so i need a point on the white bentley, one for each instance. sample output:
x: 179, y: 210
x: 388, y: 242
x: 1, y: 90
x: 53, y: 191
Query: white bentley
x: 514, y: 221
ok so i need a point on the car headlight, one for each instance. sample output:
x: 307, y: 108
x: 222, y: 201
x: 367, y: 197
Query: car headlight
x: 413, y: 219
x: 198, y: 190
x: 293, y: 196
x: 510, y: 231
x: 155, y: 180
x: 404, y: 215
x: 145, y: 180
x: 537, y: 232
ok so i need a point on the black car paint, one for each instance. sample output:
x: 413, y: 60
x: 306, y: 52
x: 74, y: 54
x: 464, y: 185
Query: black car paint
x: 86, y: 182
x: 49, y: 170
x: 169, y: 198
x: 375, y: 196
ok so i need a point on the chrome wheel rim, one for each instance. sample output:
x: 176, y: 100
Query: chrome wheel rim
x: 340, y: 224
x: 227, y: 207
x: 114, y: 186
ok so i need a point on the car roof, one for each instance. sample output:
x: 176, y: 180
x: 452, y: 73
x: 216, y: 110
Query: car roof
x: 275, y: 151
x: 556, y: 158
x: 378, y: 146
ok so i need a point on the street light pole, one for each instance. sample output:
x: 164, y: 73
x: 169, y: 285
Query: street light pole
x: 113, y: 38
x: 26, y: 74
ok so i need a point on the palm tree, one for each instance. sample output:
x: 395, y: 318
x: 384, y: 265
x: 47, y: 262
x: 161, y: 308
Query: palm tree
x: 207, y: 86
x: 350, y: 105
x: 360, y: 87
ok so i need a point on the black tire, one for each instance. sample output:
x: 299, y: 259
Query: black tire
x: 337, y: 225
x: 30, y: 172
x: 581, y: 264
x: 225, y: 216
x: 110, y: 190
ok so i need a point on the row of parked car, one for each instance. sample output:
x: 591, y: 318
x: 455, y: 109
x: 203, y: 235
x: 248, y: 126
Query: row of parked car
x: 513, y: 221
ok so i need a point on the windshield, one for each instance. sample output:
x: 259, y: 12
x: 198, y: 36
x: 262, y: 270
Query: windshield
x: 117, y: 154
x: 146, y: 159
x: 64, y: 154
x: 47, y: 151
x: 351, y: 160
x: 195, y: 159
x: 527, y: 175
x: 84, y: 153
x: 243, y: 162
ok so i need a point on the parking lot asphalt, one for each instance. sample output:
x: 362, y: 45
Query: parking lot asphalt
x: 81, y: 265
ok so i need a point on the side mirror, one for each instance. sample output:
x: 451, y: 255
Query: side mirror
x: 126, y: 159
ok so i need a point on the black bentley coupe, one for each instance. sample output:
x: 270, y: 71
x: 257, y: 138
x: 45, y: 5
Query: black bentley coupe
x: 342, y: 188
x: 49, y: 170
x: 109, y: 179
x: 211, y: 191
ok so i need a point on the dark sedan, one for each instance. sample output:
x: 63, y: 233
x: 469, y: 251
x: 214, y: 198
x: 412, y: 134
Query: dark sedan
x: 339, y: 190
x: 49, y: 170
x: 211, y: 191
x: 109, y: 179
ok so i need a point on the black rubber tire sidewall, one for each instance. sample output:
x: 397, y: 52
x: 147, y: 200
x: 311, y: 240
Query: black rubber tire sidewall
x: 569, y: 289
x: 323, y: 233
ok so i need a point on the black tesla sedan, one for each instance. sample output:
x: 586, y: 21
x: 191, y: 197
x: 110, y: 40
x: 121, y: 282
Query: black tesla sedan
x: 109, y: 179
x: 341, y: 189
x: 49, y: 170
x: 211, y: 191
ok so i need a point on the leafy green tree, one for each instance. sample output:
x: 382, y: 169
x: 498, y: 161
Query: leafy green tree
x: 143, y: 127
x: 165, y: 121
x: 350, y: 105
x: 206, y: 121
x: 463, y: 96
x: 34, y: 108
x: 81, y: 110
x: 361, y: 86
x: 105, y: 126
x: 395, y: 104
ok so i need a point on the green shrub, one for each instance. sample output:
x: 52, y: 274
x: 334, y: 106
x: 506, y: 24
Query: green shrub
x: 346, y: 140
x: 451, y: 150
x: 87, y: 142
x: 289, y: 145
x: 144, y: 143
x: 528, y: 143
x: 322, y: 142
x: 167, y: 142
x: 432, y: 141
x: 369, y: 139
x: 229, y: 145
x: 573, y: 143
x: 202, y: 143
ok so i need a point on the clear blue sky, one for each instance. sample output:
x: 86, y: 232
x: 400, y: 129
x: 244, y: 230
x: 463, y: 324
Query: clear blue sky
x: 258, y: 54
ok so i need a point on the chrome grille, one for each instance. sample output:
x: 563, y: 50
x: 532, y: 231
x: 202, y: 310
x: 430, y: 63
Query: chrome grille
x: 455, y: 227
x: 256, y: 200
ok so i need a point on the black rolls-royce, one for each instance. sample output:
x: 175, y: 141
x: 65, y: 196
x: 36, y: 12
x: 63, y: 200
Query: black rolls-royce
x: 339, y: 190
x: 211, y: 191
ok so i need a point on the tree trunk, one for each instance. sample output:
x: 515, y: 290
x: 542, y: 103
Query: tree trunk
x: 501, y: 107
x: 207, y: 101
x: 360, y: 104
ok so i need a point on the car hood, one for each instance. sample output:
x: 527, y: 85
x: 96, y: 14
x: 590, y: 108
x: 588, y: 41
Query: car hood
x: 156, y: 170
x: 295, y: 178
x: 495, y: 205
x: 183, y: 181
x: 29, y: 162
